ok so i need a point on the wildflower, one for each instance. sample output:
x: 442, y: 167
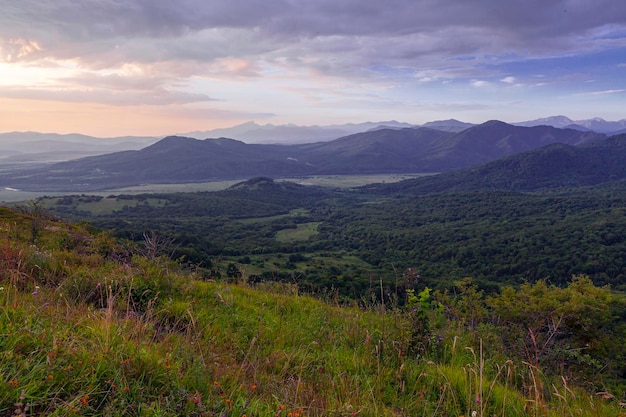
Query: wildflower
x: 474, y: 413
x: 14, y: 383
x: 50, y: 376
x: 84, y: 400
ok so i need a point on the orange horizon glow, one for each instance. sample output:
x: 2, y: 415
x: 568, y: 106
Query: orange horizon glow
x: 100, y: 120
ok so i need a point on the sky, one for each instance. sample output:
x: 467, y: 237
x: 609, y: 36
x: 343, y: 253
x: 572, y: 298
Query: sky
x: 157, y: 67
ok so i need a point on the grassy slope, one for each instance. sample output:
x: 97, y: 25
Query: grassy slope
x: 87, y: 330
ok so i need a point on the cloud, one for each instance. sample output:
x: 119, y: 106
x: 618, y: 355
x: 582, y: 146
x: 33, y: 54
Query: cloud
x: 120, y: 97
x: 13, y: 49
x: 605, y: 92
x: 154, y: 51
x: 480, y: 83
x: 363, y: 32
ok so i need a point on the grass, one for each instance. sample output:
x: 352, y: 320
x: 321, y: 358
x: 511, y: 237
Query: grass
x: 303, y: 232
x: 338, y: 181
x: 83, y: 333
x: 293, y: 213
x: 351, y: 181
x: 103, y: 205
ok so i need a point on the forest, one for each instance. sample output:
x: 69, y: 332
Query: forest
x: 348, y: 240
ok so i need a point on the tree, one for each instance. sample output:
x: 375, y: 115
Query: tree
x: 232, y: 271
x: 575, y: 329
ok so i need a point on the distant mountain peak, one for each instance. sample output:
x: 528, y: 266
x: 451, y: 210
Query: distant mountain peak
x: 494, y: 122
x: 449, y: 125
x: 597, y: 124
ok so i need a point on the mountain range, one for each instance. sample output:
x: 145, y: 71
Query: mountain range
x: 177, y: 159
x: 28, y: 148
x: 252, y: 132
x: 595, y: 124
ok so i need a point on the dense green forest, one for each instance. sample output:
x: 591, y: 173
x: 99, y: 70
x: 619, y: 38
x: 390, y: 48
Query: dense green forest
x: 349, y: 240
x: 94, y: 326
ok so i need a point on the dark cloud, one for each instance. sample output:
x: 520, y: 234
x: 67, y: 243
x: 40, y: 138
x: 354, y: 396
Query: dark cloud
x: 434, y: 39
x: 521, y: 23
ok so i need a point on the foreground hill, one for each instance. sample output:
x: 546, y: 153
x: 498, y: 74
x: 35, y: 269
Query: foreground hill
x: 90, y: 327
x: 179, y: 159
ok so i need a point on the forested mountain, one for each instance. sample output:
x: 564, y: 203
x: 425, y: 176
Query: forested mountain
x: 410, y: 150
x: 553, y: 166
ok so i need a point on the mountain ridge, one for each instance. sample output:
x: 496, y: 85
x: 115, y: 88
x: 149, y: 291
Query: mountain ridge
x: 177, y: 159
x: 553, y: 166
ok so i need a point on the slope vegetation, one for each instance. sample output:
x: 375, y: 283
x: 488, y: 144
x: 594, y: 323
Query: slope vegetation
x: 91, y: 327
x: 553, y: 166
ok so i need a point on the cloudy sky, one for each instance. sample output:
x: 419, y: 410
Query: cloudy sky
x: 155, y: 67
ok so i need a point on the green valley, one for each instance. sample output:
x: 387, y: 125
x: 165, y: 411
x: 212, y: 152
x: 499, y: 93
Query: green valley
x: 341, y: 239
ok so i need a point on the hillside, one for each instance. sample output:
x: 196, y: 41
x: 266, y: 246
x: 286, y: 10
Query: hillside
x: 180, y: 160
x: 379, y: 151
x: 92, y: 327
x: 553, y: 166
x: 494, y: 139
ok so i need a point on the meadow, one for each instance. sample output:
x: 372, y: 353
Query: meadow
x: 333, y: 181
